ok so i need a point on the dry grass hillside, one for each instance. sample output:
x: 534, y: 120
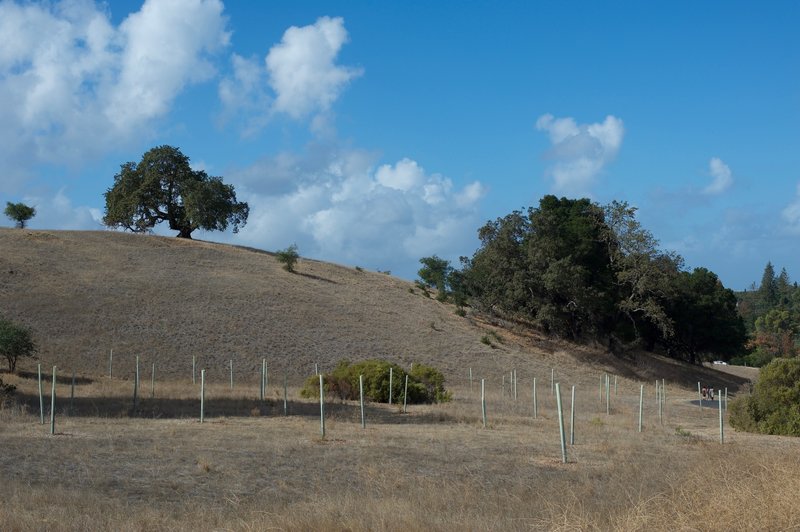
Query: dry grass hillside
x: 167, y: 299
x: 110, y: 462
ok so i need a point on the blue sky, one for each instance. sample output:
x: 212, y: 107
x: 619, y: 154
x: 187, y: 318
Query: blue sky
x: 375, y: 133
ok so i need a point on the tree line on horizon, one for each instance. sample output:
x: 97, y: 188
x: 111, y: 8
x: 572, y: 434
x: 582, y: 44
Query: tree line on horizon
x: 771, y: 314
x: 588, y: 272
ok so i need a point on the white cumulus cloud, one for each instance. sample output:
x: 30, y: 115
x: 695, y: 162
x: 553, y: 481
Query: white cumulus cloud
x: 164, y: 48
x: 579, y: 151
x: 722, y: 177
x: 73, y: 85
x: 340, y: 207
x: 302, y: 68
x: 299, y: 77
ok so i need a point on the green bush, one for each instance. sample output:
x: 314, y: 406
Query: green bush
x: 433, y: 381
x: 288, y: 257
x: 425, y: 384
x: 774, y: 405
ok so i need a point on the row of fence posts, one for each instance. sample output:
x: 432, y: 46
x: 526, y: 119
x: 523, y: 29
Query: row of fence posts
x: 555, y: 389
x: 264, y: 382
x: 605, y: 389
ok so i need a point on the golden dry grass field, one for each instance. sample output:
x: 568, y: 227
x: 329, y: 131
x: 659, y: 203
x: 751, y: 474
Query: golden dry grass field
x: 249, y: 467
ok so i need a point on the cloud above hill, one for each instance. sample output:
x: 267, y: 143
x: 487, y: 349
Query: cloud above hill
x: 579, y: 151
x: 73, y: 85
x: 336, y: 203
x: 299, y: 77
x: 76, y: 86
x: 339, y: 206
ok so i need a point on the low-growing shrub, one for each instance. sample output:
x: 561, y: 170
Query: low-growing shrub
x: 425, y: 384
x: 433, y: 381
x: 288, y: 257
x: 774, y: 406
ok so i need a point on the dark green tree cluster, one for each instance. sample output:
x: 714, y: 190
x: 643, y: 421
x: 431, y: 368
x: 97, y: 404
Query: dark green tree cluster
x: 163, y: 187
x: 585, y: 271
x: 771, y: 313
x: 438, y: 273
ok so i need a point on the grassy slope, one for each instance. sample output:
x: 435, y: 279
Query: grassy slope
x: 166, y: 299
x: 250, y: 468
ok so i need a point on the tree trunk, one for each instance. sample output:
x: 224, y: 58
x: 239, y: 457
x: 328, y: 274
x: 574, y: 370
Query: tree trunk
x: 185, y: 232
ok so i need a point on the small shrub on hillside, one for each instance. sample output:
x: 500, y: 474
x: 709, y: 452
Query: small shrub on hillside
x: 490, y: 338
x: 460, y: 312
x: 288, y: 257
x: 425, y: 384
x: 774, y: 406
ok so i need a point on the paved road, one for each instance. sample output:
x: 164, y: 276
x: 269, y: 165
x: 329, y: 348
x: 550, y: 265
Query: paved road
x: 707, y: 403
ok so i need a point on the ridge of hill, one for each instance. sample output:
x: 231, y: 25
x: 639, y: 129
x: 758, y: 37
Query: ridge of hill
x: 167, y: 299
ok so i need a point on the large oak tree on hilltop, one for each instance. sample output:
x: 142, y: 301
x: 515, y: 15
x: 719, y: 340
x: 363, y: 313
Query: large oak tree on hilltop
x: 163, y: 187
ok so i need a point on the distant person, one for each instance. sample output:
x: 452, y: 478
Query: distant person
x: 705, y: 392
x: 711, y: 393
